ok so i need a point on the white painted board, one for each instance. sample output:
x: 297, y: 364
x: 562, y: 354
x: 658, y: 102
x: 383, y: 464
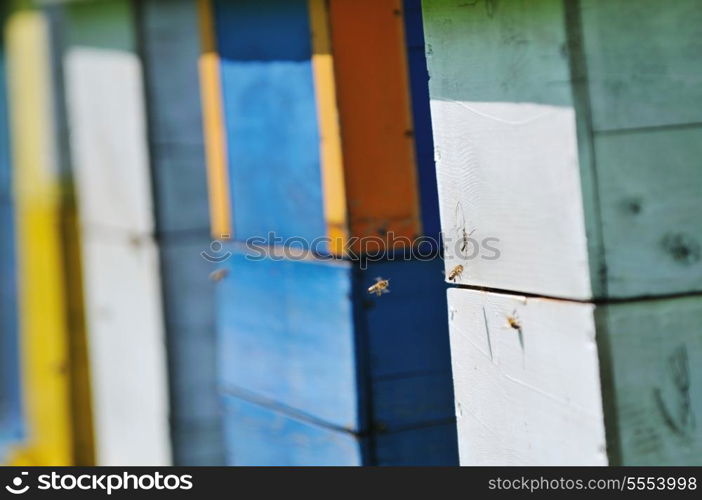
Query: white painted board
x: 529, y: 397
x: 122, y: 292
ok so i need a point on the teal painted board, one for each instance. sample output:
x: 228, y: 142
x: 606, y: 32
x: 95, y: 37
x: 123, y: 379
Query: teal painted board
x: 652, y: 354
x: 650, y: 192
x: 257, y: 435
x: 286, y: 333
x: 169, y: 43
x: 270, y: 118
x: 644, y: 62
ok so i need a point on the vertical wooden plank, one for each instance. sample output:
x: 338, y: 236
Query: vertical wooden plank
x: 335, y: 210
x: 170, y: 45
x: 370, y: 61
x: 215, y: 134
x: 653, y: 398
x: 270, y: 115
x: 43, y: 333
x: 109, y: 149
x: 10, y: 394
x: 526, y: 395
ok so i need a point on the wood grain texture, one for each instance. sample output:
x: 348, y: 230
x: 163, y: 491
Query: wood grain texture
x: 650, y: 187
x: 109, y: 147
x: 170, y: 46
x: 528, y: 395
x: 644, y: 64
x: 506, y: 146
x: 653, y: 394
x: 370, y: 61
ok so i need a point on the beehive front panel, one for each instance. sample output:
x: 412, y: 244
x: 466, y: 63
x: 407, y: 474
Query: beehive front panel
x: 270, y: 118
x: 286, y: 334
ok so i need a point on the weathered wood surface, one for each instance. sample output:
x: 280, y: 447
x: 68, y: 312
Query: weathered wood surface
x: 526, y: 393
x: 584, y: 211
x: 506, y: 146
x: 653, y: 382
x: 104, y: 89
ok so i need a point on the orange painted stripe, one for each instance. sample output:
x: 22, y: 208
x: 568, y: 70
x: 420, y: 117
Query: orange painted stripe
x: 213, y: 118
x: 370, y: 60
x: 335, y: 211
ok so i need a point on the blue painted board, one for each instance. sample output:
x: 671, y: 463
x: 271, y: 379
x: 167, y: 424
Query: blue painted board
x: 408, y: 327
x: 257, y: 435
x: 307, y: 336
x: 270, y: 118
x: 421, y: 115
x: 431, y: 445
x: 286, y: 333
x: 10, y: 402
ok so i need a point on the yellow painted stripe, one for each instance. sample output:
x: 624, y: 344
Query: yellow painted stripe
x: 43, y: 332
x: 213, y: 118
x: 335, y: 210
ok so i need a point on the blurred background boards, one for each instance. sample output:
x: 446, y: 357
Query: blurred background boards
x: 170, y: 45
x: 560, y: 131
x: 10, y: 406
x: 105, y: 103
x: 55, y: 417
x: 312, y: 369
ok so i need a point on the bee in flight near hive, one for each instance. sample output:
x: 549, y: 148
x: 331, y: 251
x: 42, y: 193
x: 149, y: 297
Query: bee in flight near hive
x: 455, y: 273
x: 380, y: 287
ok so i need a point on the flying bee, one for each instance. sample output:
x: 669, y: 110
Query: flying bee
x: 219, y: 274
x: 380, y: 287
x: 455, y: 273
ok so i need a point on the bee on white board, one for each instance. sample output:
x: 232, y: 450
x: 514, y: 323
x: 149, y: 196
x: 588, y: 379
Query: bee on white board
x: 380, y: 287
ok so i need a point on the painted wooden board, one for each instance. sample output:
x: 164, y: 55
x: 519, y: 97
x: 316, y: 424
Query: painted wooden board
x: 528, y: 396
x: 372, y: 79
x: 257, y: 435
x: 286, y: 333
x: 425, y: 446
x: 270, y: 118
x: 650, y: 191
x: 109, y: 149
x: 645, y: 64
x: 421, y: 118
x: 170, y: 45
x: 10, y: 403
x: 126, y: 351
x: 506, y: 146
x: 653, y: 394
x: 47, y: 416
